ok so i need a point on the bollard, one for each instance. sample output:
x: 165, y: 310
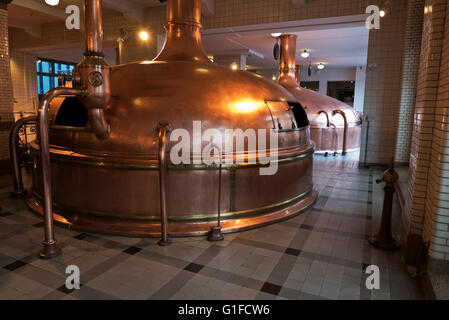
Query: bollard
x: 383, y: 239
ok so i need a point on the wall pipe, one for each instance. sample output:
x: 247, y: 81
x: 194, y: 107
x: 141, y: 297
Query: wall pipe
x: 345, y: 132
x: 162, y: 133
x: 19, y: 190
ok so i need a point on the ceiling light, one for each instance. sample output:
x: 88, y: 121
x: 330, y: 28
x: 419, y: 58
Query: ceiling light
x: 320, y: 66
x: 144, y: 35
x: 274, y: 78
x: 305, y: 54
x: 52, y: 2
x: 276, y: 34
x: 234, y: 66
x: 382, y: 13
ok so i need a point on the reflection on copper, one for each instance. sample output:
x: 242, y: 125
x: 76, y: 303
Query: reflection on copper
x: 348, y: 130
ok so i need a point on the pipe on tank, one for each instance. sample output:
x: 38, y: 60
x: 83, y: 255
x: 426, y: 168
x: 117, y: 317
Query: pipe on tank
x: 327, y: 117
x: 287, y: 62
x: 19, y: 190
x: 93, y: 74
x: 345, y: 130
x: 94, y: 26
x: 92, y: 85
x: 183, y: 32
x: 298, y: 74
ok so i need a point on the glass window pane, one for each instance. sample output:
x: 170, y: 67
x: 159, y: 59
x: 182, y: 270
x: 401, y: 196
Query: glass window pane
x: 38, y: 66
x: 39, y: 89
x: 46, y: 84
x: 45, y: 67
x: 72, y: 67
x: 56, y: 83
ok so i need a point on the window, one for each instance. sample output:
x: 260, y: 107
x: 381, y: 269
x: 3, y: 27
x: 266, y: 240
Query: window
x: 312, y: 85
x: 48, y: 72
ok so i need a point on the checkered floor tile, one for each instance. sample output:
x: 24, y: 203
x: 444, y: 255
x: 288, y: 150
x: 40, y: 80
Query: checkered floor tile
x: 320, y: 254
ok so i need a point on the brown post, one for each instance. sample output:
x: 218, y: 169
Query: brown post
x: 383, y: 238
x: 162, y: 133
x: 215, y: 233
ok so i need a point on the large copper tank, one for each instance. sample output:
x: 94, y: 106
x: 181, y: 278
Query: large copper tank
x: 112, y: 185
x: 328, y: 116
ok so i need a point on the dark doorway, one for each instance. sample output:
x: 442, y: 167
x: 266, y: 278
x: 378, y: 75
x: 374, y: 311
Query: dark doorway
x: 342, y: 90
x: 312, y: 85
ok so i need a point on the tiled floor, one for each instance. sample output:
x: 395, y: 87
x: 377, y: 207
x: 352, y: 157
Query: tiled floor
x: 320, y: 254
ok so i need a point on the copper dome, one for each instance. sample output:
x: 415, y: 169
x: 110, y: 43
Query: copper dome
x: 111, y: 185
x: 327, y: 115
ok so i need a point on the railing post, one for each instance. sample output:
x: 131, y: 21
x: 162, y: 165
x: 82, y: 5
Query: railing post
x: 215, y: 233
x: 50, y: 249
x: 162, y: 134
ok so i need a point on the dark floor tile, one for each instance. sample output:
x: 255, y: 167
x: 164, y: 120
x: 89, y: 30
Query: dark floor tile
x: 81, y: 236
x: 65, y: 290
x: 39, y: 224
x: 292, y: 251
x: 132, y: 250
x: 5, y: 214
x: 271, y: 288
x: 194, y: 267
x: 15, y: 265
x: 307, y: 227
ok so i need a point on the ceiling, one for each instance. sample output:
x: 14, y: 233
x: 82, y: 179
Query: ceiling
x: 337, y: 41
x: 342, y: 47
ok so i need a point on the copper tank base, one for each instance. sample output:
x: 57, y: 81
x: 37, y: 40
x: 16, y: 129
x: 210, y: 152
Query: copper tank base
x: 139, y: 228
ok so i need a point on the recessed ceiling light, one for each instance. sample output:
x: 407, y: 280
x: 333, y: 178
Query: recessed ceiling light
x: 305, y: 54
x: 276, y: 34
x: 52, y: 2
x: 382, y: 13
x: 234, y: 66
x: 320, y: 66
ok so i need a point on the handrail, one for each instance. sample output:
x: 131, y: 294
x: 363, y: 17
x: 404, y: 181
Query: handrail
x: 19, y: 190
x: 162, y: 134
x: 327, y: 116
x: 334, y: 138
x: 215, y: 233
x: 345, y: 131
x: 328, y: 124
x: 50, y: 249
